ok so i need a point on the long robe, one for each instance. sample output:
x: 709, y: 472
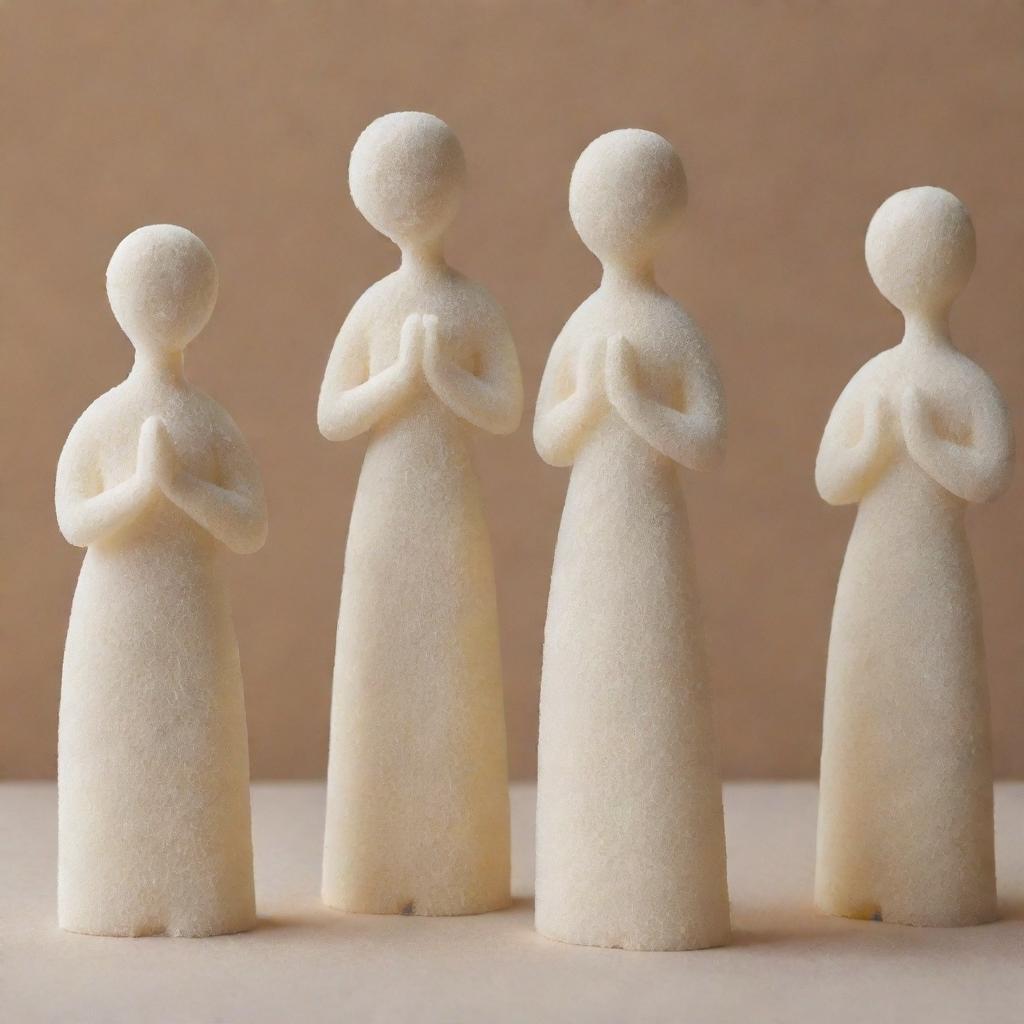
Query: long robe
x: 417, y: 805
x: 154, y: 830
x: 630, y: 837
x: 905, y: 829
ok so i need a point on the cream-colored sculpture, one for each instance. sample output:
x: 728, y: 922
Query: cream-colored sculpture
x: 155, y: 479
x: 630, y: 842
x: 905, y: 820
x: 417, y: 802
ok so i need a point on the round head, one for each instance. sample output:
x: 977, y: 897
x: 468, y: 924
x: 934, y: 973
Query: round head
x: 162, y: 286
x: 406, y: 175
x: 626, y: 190
x: 920, y: 249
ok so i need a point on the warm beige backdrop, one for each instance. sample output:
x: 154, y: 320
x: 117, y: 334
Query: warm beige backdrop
x: 794, y: 120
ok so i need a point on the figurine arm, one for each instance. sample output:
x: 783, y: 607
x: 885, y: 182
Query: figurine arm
x: 351, y: 402
x: 232, y: 509
x: 87, y: 514
x: 492, y: 400
x: 695, y: 437
x: 977, y: 470
x: 561, y: 423
x: 845, y: 468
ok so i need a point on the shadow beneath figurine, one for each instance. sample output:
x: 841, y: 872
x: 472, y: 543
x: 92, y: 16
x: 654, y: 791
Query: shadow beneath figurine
x: 812, y: 932
x: 1010, y: 910
x: 316, y: 918
x: 772, y: 936
x: 321, y: 917
x: 269, y: 924
x: 518, y: 904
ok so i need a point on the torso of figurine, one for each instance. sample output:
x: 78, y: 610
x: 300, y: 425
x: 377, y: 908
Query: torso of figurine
x: 467, y: 317
x: 195, y: 423
x: 951, y: 385
x: 661, y: 333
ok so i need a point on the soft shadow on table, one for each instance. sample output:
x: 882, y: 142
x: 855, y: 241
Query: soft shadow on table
x: 808, y: 929
x: 321, y: 917
x: 275, y: 922
x: 317, y: 918
x: 789, y: 926
x: 1011, y: 910
x: 791, y: 929
x: 518, y: 903
x: 743, y: 937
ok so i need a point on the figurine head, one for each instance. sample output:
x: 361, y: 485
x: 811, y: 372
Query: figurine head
x: 162, y: 287
x: 626, y: 190
x: 920, y: 249
x: 406, y: 175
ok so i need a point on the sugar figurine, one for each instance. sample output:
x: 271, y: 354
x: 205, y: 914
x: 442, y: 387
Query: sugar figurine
x: 905, y: 830
x: 630, y: 837
x: 417, y: 802
x: 156, y: 481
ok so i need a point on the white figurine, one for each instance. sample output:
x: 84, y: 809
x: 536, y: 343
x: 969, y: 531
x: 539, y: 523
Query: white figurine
x: 630, y: 840
x: 905, y: 820
x: 155, y: 479
x: 417, y: 802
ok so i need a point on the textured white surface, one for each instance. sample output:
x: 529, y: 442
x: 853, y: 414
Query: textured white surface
x: 304, y: 962
x: 155, y: 479
x: 906, y: 775
x: 417, y: 812
x: 631, y: 850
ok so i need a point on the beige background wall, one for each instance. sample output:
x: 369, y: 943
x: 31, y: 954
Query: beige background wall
x: 794, y: 120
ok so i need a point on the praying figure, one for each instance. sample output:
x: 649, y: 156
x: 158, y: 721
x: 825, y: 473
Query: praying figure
x: 905, y: 831
x: 153, y: 767
x: 630, y: 837
x: 417, y: 786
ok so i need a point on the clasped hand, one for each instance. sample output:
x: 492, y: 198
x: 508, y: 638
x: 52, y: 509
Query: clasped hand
x: 157, y: 461
x: 419, y: 351
x: 885, y: 420
x: 606, y: 371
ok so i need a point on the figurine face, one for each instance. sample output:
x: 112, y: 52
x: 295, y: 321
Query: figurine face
x: 920, y: 249
x: 162, y: 287
x: 627, y: 189
x: 406, y: 176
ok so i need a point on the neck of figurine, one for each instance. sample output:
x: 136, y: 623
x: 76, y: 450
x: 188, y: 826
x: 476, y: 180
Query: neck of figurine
x: 628, y: 274
x: 165, y: 368
x: 925, y: 331
x: 424, y: 259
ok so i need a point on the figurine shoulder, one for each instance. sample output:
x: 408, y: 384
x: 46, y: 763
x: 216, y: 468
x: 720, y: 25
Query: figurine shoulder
x: 968, y: 376
x: 376, y: 300
x: 668, y: 331
x: 211, y: 417
x: 477, y: 304
x: 104, y: 413
x: 588, y: 318
x: 880, y: 372
x: 681, y: 324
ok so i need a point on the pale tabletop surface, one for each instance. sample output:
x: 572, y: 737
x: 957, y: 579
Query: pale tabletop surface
x: 309, y: 964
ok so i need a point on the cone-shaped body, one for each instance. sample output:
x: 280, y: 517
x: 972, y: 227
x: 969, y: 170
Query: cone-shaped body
x: 905, y: 820
x: 417, y: 787
x: 153, y: 768
x: 630, y: 839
